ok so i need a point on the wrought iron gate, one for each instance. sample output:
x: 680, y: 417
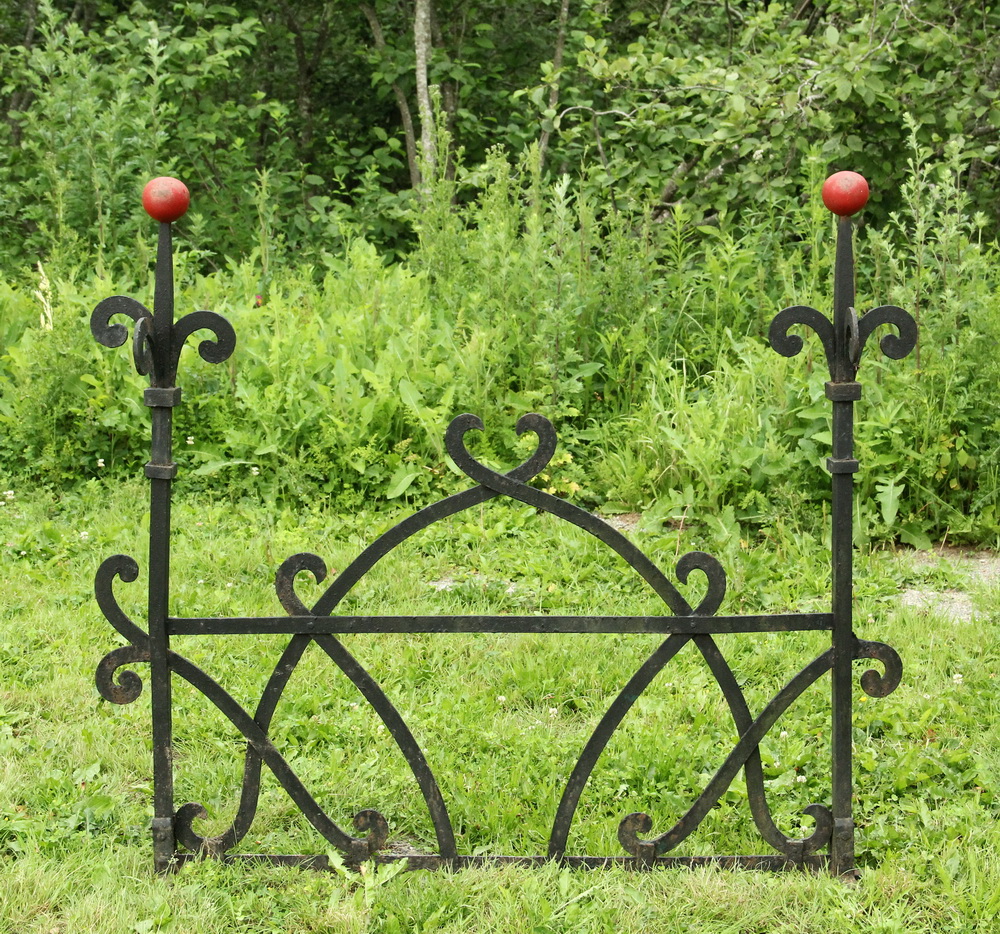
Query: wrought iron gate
x: 157, y: 342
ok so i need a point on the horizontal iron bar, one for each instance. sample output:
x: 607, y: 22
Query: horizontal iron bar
x: 685, y: 625
x: 416, y: 861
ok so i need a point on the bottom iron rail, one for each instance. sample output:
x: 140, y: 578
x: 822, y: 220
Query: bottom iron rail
x: 416, y: 861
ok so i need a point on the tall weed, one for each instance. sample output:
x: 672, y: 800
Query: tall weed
x: 937, y: 446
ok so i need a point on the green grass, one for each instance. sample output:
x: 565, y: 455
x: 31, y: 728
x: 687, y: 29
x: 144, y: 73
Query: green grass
x: 501, y: 719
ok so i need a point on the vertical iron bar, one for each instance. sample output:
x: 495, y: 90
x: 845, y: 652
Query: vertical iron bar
x: 161, y: 471
x: 843, y: 391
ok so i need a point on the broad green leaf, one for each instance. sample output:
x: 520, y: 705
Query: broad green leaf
x: 888, y: 497
x: 214, y: 466
x: 912, y: 534
x: 843, y: 87
x: 411, y: 396
x: 400, y: 482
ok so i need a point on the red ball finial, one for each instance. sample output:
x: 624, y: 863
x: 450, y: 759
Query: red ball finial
x: 845, y: 193
x: 166, y: 199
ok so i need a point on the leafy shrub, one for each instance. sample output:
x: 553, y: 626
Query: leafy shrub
x: 643, y: 341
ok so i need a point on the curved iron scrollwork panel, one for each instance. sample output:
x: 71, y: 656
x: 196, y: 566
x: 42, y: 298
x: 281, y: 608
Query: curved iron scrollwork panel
x: 513, y: 484
x: 157, y: 342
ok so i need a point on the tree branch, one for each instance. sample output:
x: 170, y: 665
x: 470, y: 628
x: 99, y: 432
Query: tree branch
x: 557, y: 60
x: 401, y: 102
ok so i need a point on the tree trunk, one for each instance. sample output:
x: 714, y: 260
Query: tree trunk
x: 401, y: 102
x: 20, y: 99
x: 557, y: 60
x: 422, y: 46
x: 449, y: 96
x: 307, y: 62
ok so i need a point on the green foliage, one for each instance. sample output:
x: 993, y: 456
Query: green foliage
x: 644, y: 343
x: 934, y: 457
x: 718, y: 106
x: 109, y: 109
x: 66, y: 412
x: 712, y: 110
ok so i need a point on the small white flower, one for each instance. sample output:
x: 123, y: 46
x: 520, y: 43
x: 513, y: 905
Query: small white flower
x: 24, y: 552
x: 190, y: 439
x: 84, y: 535
x: 100, y: 462
x: 927, y: 697
x: 957, y: 678
x: 380, y: 728
x: 800, y: 778
x: 9, y: 494
x: 255, y: 471
x: 201, y: 582
x: 500, y: 698
x: 230, y: 584
x: 353, y: 705
x: 783, y: 734
x: 553, y: 711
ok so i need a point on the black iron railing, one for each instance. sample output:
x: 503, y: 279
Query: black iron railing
x: 157, y: 342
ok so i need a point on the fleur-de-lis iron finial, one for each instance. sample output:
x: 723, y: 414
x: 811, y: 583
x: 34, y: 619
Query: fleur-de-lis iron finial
x: 843, y: 338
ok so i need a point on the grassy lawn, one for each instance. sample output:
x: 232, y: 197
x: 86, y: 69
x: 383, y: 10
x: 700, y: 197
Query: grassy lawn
x: 501, y: 719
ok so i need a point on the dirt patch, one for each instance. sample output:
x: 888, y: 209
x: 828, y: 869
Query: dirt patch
x: 977, y: 568
x: 623, y: 522
x: 952, y: 604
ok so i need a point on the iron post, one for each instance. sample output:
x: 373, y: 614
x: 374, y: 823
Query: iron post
x: 843, y: 391
x: 844, y: 193
x: 156, y: 346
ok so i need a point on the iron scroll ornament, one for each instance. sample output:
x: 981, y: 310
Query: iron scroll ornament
x: 143, y: 356
x: 746, y: 754
x: 897, y: 346
x: 514, y: 484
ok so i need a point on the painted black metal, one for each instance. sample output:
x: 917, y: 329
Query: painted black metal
x: 660, y: 625
x: 424, y: 861
x: 157, y: 342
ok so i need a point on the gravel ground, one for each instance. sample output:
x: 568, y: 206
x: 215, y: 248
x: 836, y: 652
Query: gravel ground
x: 979, y: 568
